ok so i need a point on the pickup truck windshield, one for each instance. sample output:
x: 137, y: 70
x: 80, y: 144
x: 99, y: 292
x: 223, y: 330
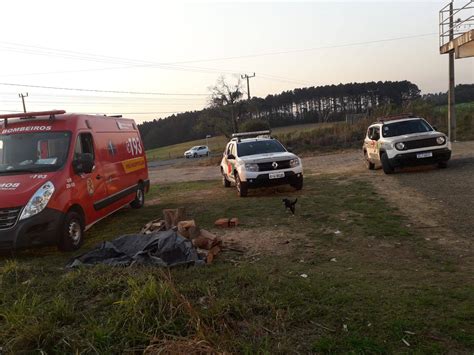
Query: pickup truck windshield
x: 259, y: 147
x: 33, y: 152
x: 405, y: 127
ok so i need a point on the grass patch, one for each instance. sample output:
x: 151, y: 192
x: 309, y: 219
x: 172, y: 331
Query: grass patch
x: 385, y: 286
x: 218, y: 143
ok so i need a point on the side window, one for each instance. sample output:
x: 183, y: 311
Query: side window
x: 369, y: 133
x: 84, y: 145
x: 376, y: 134
x: 229, y: 146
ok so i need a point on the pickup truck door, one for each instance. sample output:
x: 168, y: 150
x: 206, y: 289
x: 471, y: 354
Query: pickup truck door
x: 230, y: 161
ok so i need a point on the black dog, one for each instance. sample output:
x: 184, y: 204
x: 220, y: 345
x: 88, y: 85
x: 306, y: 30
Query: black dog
x: 290, y: 204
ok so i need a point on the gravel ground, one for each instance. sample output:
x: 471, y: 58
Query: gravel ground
x: 429, y: 196
x: 452, y: 188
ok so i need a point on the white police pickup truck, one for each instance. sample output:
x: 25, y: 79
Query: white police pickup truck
x: 404, y: 140
x: 254, y: 159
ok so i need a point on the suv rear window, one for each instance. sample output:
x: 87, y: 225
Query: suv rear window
x: 259, y: 147
x: 405, y: 127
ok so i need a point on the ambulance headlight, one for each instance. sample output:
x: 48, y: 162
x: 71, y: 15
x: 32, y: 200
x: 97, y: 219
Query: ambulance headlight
x: 294, y: 163
x: 38, y: 201
x: 251, y: 167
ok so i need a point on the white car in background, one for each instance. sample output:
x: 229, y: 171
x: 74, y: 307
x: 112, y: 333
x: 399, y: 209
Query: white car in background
x: 197, y: 151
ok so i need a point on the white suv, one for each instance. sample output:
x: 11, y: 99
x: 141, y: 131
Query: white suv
x: 197, y: 151
x: 254, y: 159
x: 404, y: 140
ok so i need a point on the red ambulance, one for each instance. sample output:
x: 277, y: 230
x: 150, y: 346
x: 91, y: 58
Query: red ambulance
x: 61, y: 173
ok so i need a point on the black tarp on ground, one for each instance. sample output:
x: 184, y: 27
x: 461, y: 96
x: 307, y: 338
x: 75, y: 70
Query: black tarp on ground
x: 166, y: 248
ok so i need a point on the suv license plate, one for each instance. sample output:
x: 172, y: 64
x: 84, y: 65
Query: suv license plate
x: 276, y: 175
x: 424, y: 155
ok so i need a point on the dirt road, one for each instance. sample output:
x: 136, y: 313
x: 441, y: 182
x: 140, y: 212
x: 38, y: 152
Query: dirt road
x: 441, y: 201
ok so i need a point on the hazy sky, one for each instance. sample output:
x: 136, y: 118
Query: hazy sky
x: 182, y: 48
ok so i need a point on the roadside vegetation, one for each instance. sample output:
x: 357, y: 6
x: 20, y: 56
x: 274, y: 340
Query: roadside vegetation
x: 345, y: 274
x: 319, y: 137
x: 218, y: 143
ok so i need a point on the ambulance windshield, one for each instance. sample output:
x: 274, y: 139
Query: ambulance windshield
x: 33, y: 152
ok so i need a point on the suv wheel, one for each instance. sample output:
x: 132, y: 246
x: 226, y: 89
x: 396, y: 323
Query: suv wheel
x: 225, y: 182
x: 297, y: 183
x: 387, y: 168
x: 242, y: 187
x: 442, y: 164
x: 370, y: 166
x: 72, y: 232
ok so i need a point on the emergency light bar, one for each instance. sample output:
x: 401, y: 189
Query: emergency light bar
x: 25, y: 115
x: 395, y: 117
x: 251, y: 134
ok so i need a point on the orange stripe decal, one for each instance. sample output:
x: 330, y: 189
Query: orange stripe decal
x: 134, y: 164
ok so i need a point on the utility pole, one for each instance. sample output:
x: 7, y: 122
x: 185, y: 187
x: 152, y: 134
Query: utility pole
x: 23, y: 100
x: 451, y: 99
x: 246, y: 76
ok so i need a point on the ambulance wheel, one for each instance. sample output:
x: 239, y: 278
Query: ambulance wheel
x: 370, y: 166
x: 387, y: 168
x: 242, y: 188
x: 139, y: 201
x: 72, y: 232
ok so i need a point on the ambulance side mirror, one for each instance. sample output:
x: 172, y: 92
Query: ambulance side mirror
x: 83, y: 164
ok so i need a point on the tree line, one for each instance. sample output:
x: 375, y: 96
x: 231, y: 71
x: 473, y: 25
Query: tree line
x: 462, y: 93
x: 228, y: 110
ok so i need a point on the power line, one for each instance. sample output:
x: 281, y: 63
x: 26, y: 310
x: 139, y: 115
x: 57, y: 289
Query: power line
x: 172, y: 65
x: 103, y: 91
x: 135, y: 97
x: 112, y: 113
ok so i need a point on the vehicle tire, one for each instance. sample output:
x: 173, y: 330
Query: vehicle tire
x: 72, y: 232
x: 442, y: 164
x: 195, y: 155
x: 225, y: 182
x: 387, y: 168
x: 139, y: 201
x: 370, y: 166
x: 297, y: 183
x: 242, y: 188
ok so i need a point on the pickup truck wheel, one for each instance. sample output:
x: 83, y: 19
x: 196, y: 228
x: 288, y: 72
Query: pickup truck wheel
x: 370, y: 166
x: 242, y: 188
x: 72, y: 232
x: 387, y: 168
x: 297, y: 183
x: 442, y: 164
x: 139, y: 201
